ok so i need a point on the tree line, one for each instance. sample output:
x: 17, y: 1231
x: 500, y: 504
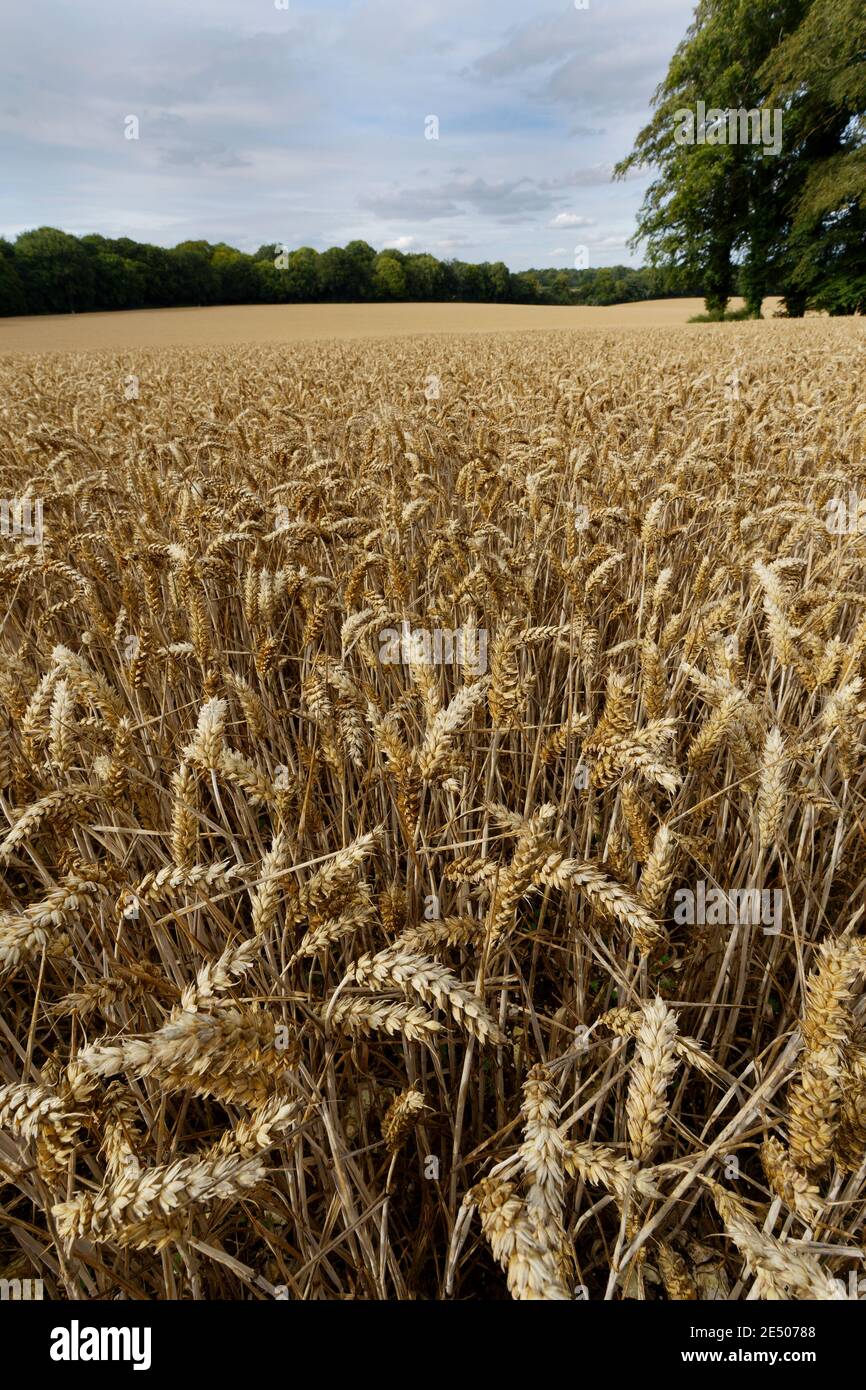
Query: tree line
x: 743, y: 215
x: 48, y: 271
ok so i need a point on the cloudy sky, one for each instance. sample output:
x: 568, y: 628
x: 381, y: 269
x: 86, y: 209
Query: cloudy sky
x: 307, y: 123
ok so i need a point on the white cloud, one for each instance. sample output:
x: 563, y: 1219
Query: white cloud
x: 571, y: 219
x: 400, y: 243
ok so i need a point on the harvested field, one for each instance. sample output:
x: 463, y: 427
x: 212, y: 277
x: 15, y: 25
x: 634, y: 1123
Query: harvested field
x: 286, y: 323
x: 431, y: 816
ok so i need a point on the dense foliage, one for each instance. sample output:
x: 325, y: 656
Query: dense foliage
x: 734, y: 215
x: 51, y: 272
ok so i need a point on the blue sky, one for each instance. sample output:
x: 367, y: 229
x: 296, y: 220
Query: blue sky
x: 306, y: 124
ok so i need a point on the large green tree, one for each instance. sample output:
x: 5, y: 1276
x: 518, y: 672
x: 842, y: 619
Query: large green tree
x: 302, y: 274
x: 736, y: 214
x: 13, y: 297
x: 56, y: 270
x: 389, y: 277
x: 819, y: 74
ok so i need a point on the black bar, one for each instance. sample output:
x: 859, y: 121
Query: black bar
x: 257, y: 1337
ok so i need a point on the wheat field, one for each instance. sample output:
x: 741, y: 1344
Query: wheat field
x: 431, y: 818
x: 221, y: 325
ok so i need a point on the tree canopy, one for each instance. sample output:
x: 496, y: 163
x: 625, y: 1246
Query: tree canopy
x: 732, y: 213
x: 47, y: 271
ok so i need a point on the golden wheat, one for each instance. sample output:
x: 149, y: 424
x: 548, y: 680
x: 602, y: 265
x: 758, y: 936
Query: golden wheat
x: 365, y: 761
